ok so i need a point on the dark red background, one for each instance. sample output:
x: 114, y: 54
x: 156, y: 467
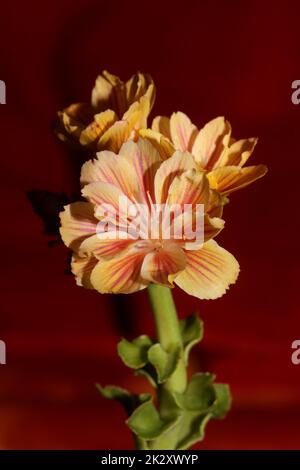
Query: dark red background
x: 207, y: 58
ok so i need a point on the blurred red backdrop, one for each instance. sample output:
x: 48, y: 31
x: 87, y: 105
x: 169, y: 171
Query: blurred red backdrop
x: 207, y: 58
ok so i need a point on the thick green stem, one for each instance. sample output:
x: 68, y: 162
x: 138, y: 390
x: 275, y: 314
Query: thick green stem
x: 168, y: 331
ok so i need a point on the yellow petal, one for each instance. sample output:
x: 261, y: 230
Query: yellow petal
x: 211, y: 142
x: 101, y: 93
x: 215, y: 204
x: 183, y: 132
x: 169, y: 169
x: 137, y: 113
x: 81, y: 268
x: 151, y: 94
x: 212, y: 227
x: 144, y: 160
x: 113, y: 169
x: 209, y: 272
x: 230, y: 178
x: 239, y: 152
x: 77, y: 223
x: 136, y: 87
x: 120, y: 274
x: 109, y: 92
x: 72, y: 121
x: 114, y: 137
x: 102, y: 122
x: 161, y: 143
x: 159, y: 264
x: 139, y: 85
x: 161, y: 124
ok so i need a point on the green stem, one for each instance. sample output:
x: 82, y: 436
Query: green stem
x: 168, y: 331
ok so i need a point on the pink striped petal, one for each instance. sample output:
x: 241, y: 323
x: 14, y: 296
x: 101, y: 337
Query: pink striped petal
x: 121, y: 274
x: 183, y: 132
x: 77, y: 223
x: 113, y: 169
x: 191, y: 187
x: 209, y: 272
x: 162, y: 262
x: 144, y: 160
x: 101, y: 246
x: 168, y: 170
x: 109, y: 200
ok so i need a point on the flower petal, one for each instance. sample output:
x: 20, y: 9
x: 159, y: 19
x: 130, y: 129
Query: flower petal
x: 209, y: 272
x: 144, y: 159
x: 110, y: 201
x: 113, y: 169
x: 238, y: 152
x: 138, y: 85
x: 192, y: 229
x: 137, y: 113
x: 102, y: 122
x: 77, y: 223
x: 168, y: 170
x: 230, y: 178
x: 191, y: 187
x: 161, y: 124
x: 216, y: 203
x: 211, y: 142
x: 81, y: 268
x: 183, y: 132
x: 103, y: 247
x: 114, y: 137
x: 120, y: 274
x: 72, y: 121
x: 109, y: 92
x: 164, y: 147
x: 212, y: 226
x: 159, y: 264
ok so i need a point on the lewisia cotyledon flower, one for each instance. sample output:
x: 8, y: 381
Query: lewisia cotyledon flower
x: 111, y: 263
x: 214, y: 150
x: 116, y: 112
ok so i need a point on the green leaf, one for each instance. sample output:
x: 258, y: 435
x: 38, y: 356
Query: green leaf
x: 164, y: 362
x: 193, y: 424
x: 146, y: 422
x: 199, y: 395
x: 191, y: 333
x: 223, y: 400
x: 134, y: 353
x: 129, y: 400
x: 192, y: 429
x: 201, y: 401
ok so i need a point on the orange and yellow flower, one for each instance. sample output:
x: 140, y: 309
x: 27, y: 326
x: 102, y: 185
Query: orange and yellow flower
x: 214, y: 150
x: 123, y: 265
x: 116, y: 112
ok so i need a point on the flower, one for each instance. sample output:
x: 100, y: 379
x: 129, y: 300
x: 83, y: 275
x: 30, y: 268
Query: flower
x: 116, y: 112
x: 111, y: 263
x: 214, y: 150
